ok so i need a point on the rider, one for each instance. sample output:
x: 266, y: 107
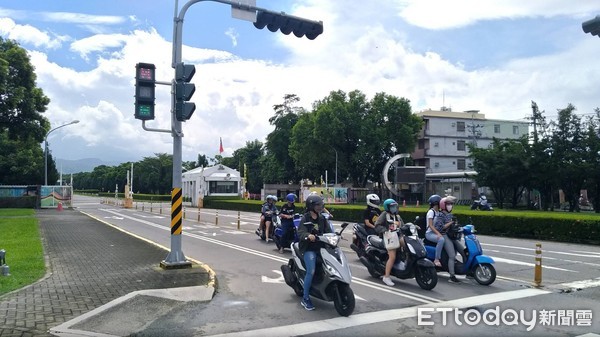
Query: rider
x: 389, y: 214
x: 450, y: 245
x: 268, y: 211
x: 311, y: 225
x: 287, y: 221
x: 434, y: 228
x: 371, y: 213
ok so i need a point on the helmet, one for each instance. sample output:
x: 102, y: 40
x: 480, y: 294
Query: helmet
x: 312, y: 201
x: 314, y: 193
x: 373, y: 200
x: 434, y: 200
x: 291, y: 197
x: 272, y: 197
x: 449, y: 200
x: 389, y: 203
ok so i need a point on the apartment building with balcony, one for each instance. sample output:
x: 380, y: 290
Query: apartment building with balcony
x: 443, y: 149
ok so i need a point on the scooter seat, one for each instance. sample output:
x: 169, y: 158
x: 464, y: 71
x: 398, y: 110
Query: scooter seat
x: 375, y: 241
x: 429, y: 243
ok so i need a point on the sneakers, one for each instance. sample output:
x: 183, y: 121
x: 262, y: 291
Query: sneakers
x: 307, y: 304
x: 281, y: 250
x: 388, y: 281
x: 267, y: 240
x: 453, y: 279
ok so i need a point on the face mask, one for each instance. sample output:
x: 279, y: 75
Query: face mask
x: 394, y: 209
x: 449, y: 208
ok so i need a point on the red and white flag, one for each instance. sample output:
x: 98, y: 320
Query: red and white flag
x: 220, y: 145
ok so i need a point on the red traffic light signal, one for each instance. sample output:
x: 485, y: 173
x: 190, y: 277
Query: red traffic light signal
x: 288, y: 24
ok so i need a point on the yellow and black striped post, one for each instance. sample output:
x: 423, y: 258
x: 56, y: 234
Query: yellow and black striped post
x: 176, y: 259
x: 176, y: 207
x: 537, y: 279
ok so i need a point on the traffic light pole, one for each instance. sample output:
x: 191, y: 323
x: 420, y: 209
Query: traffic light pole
x: 261, y: 18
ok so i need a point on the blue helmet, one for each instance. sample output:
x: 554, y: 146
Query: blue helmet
x: 291, y: 197
x: 389, y: 203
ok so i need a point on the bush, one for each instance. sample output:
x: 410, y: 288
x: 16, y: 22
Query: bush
x: 19, y: 202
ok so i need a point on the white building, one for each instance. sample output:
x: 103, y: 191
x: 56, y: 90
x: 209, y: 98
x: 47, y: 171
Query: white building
x: 218, y: 180
x: 442, y: 145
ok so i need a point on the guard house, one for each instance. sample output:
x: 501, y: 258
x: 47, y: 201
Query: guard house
x: 218, y: 180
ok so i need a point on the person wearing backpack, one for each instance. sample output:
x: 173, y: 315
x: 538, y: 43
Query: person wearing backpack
x: 434, y: 227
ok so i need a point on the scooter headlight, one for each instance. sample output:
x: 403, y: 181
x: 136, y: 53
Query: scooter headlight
x: 331, y: 239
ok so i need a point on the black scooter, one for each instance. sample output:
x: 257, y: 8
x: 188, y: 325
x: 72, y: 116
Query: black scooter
x: 415, y: 265
x: 359, y: 239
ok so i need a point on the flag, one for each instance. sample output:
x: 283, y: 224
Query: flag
x: 220, y: 145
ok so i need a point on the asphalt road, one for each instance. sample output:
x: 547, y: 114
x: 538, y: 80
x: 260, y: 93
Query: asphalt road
x: 252, y: 297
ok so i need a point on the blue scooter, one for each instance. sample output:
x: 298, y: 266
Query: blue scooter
x: 477, y: 265
x: 283, y: 239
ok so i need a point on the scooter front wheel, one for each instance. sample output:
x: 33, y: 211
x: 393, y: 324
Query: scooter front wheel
x: 426, y: 277
x: 344, y: 300
x: 484, y: 274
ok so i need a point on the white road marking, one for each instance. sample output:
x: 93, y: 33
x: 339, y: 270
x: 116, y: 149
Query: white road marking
x: 547, y: 258
x: 581, y: 284
x: 509, y: 261
x: 280, y: 279
x: 384, y: 315
x: 543, y: 251
x: 377, y: 286
x: 232, y: 231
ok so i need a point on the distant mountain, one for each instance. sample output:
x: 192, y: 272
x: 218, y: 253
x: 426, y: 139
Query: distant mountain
x: 80, y: 165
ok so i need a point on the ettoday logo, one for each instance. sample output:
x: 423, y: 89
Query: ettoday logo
x: 508, y: 317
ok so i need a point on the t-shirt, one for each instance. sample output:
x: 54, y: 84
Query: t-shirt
x: 371, y: 214
x: 437, y: 220
x: 288, y: 210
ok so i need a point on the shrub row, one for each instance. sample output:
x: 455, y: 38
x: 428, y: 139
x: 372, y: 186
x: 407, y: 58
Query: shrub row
x: 550, y: 226
x: 18, y: 202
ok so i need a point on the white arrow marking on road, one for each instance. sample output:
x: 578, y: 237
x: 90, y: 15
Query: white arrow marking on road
x: 280, y: 279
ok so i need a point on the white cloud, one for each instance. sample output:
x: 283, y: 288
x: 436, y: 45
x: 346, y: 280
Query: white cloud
x: 233, y: 35
x: 30, y: 35
x: 80, y: 18
x: 442, y: 14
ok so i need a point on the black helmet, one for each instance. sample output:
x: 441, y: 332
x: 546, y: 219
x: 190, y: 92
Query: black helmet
x: 312, y: 201
x: 434, y: 200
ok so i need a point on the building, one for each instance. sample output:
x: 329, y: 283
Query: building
x: 218, y: 180
x: 442, y: 147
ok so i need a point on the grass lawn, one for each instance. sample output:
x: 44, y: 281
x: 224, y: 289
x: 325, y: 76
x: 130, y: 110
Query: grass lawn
x: 20, y: 238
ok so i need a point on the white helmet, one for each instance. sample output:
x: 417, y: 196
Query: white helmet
x: 373, y: 200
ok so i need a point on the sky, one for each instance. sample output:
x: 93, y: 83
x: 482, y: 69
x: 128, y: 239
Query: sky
x: 495, y: 56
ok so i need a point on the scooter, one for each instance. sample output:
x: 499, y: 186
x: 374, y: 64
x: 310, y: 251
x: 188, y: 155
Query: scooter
x: 275, y: 222
x: 415, y: 265
x: 359, y: 239
x: 283, y: 239
x: 477, y: 265
x: 482, y: 204
x: 332, y: 278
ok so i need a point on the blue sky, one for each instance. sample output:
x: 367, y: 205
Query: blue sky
x: 489, y: 55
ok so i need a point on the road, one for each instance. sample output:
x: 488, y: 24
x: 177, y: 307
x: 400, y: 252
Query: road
x: 253, y: 298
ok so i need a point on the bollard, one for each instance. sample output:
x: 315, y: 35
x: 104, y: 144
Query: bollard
x: 3, y: 265
x: 198, y: 215
x: 160, y: 210
x: 238, y: 220
x: 184, y: 212
x: 417, y: 203
x: 537, y: 279
x: 216, y: 218
x: 144, y: 204
x: 403, y: 203
x: 150, y: 207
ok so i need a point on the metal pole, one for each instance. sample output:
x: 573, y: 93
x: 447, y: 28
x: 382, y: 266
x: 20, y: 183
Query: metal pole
x: 46, y: 150
x: 336, y: 157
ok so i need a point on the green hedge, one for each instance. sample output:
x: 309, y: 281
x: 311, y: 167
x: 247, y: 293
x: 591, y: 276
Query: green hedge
x: 552, y: 226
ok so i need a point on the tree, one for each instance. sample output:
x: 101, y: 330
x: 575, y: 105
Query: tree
x: 592, y: 143
x: 253, y: 156
x: 22, y: 125
x: 278, y: 164
x: 568, y: 148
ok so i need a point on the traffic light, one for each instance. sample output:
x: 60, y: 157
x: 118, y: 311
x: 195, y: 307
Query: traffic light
x: 184, y: 91
x: 592, y: 26
x: 288, y: 24
x: 145, y: 82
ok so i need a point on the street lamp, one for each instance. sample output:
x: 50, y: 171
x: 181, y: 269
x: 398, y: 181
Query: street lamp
x: 46, y: 150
